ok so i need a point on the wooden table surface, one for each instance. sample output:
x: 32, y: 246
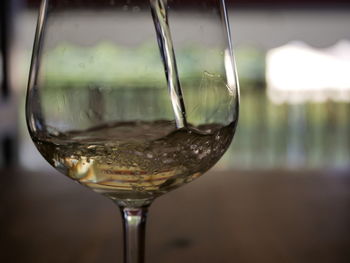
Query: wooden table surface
x: 224, y: 217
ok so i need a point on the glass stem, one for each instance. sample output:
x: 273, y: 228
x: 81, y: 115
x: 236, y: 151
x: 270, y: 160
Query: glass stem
x: 134, y: 221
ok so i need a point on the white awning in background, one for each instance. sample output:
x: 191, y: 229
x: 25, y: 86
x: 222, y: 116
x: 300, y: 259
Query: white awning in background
x: 298, y: 73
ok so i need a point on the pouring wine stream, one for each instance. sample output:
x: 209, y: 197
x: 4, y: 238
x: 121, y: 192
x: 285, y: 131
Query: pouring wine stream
x: 160, y: 18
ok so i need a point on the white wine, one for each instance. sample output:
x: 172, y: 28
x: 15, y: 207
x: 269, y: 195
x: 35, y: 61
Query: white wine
x: 159, y: 12
x: 136, y: 160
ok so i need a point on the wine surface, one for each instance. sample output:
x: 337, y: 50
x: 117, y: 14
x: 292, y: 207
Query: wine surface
x: 136, y: 160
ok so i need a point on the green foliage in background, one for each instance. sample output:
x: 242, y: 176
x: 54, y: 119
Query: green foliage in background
x: 119, y: 66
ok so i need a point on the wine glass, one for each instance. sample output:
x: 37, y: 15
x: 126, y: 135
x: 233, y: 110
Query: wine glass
x: 132, y: 98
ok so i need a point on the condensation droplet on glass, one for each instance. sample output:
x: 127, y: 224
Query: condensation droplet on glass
x: 138, y: 153
x: 167, y: 161
x: 89, y: 114
x: 136, y: 9
x: 201, y: 156
x: 109, y: 144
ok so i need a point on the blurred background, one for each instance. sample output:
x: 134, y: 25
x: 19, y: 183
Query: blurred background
x: 293, y: 60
